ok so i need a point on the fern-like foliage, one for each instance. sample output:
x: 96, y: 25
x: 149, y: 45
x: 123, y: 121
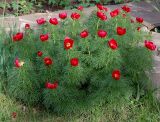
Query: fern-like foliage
x: 88, y: 84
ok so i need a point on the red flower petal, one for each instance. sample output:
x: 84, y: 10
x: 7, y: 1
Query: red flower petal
x: 150, y: 45
x: 18, y: 37
x: 116, y: 74
x: 84, y: 34
x: 68, y: 43
x: 48, y: 61
x: 74, y: 61
x: 113, y: 44
x: 101, y: 15
x: 139, y: 19
x: 75, y: 16
x: 114, y: 13
x: 102, y: 33
x: 63, y: 15
x: 39, y: 53
x: 126, y: 8
x: 53, y: 21
x: 80, y: 8
x: 41, y: 21
x: 121, y: 31
x: 44, y: 37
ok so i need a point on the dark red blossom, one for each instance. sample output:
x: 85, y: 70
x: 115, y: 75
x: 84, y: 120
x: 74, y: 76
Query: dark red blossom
x: 63, y: 15
x: 113, y: 44
x: 68, y: 43
x: 121, y: 31
x: 139, y: 19
x: 84, y: 34
x: 116, y: 74
x: 101, y: 7
x: 102, y: 33
x: 138, y: 28
x: 101, y: 15
x: 44, y: 37
x: 114, y: 13
x: 80, y: 8
x: 75, y: 16
x: 74, y: 61
x: 48, y: 61
x: 39, y: 53
x: 17, y: 37
x: 27, y: 26
x: 126, y: 8
x: 41, y: 21
x: 51, y: 85
x: 53, y: 21
x: 150, y: 45
x: 18, y: 63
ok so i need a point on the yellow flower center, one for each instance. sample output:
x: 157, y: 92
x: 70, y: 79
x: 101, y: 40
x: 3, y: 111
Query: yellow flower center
x: 68, y: 45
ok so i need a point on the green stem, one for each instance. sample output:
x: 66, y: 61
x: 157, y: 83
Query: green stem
x: 68, y: 55
x: 53, y: 35
x: 98, y: 24
x: 138, y: 92
x: 89, y: 51
x: 108, y: 57
x: 73, y: 32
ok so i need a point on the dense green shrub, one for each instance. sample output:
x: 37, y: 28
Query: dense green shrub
x: 56, y: 67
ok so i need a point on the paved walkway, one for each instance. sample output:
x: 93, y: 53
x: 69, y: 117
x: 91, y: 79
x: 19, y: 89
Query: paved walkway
x: 141, y: 9
x: 155, y: 74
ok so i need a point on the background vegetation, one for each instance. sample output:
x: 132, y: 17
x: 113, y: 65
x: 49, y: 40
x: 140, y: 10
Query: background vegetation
x: 21, y: 7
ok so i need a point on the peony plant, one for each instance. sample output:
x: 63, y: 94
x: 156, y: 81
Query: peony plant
x: 71, y: 65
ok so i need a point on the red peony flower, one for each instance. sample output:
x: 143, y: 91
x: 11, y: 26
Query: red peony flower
x: 113, y: 44
x: 68, y: 43
x: 18, y: 37
x: 114, y: 13
x: 84, y: 34
x: 102, y: 33
x: 101, y: 7
x: 101, y: 15
x: 139, y: 28
x: 18, y: 63
x: 75, y: 16
x: 27, y: 26
x: 150, y: 45
x: 80, y: 8
x: 139, y: 19
x: 14, y: 115
x: 41, y: 21
x: 39, y: 53
x: 53, y: 21
x: 44, y: 37
x: 74, y: 61
x: 116, y: 74
x: 105, y: 8
x: 51, y: 85
x: 48, y: 61
x: 121, y: 31
x: 126, y: 8
x: 63, y: 15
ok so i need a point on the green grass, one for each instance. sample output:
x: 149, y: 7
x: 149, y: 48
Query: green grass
x: 147, y: 109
